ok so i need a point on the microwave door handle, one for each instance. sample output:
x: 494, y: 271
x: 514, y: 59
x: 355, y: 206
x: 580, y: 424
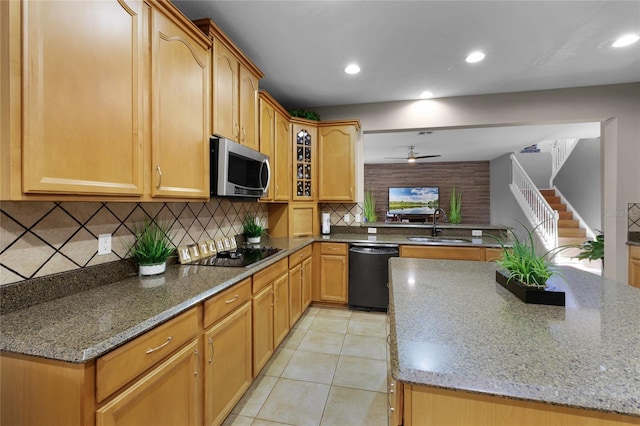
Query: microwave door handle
x: 266, y: 162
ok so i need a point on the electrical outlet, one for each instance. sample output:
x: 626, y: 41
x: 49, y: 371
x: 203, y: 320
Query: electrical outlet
x: 104, y: 244
x: 347, y: 217
x: 476, y: 233
x: 357, y: 218
x: 372, y: 230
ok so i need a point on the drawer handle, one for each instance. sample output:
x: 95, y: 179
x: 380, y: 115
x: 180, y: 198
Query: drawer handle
x: 197, y: 354
x: 231, y: 300
x: 149, y: 351
x: 333, y: 249
x: 212, y: 350
x: 160, y: 179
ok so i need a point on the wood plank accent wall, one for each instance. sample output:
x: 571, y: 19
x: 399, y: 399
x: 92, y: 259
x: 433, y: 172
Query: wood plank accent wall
x: 470, y: 177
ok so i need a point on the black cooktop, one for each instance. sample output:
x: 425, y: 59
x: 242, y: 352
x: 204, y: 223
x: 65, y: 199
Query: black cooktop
x: 241, y: 257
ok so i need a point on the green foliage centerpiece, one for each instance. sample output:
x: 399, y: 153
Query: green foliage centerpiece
x: 592, y: 250
x: 152, y: 247
x: 455, y: 215
x: 527, y: 271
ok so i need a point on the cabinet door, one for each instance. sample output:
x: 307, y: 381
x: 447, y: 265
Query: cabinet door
x: 280, y: 309
x: 248, y: 109
x: 333, y: 278
x: 168, y: 395
x: 262, y: 325
x: 281, y: 173
x: 267, y: 133
x: 225, y: 92
x: 227, y: 364
x: 336, y: 159
x: 83, y: 109
x: 303, y: 220
x: 634, y: 266
x: 304, y: 162
x: 180, y: 148
x: 307, y: 280
x: 295, y: 294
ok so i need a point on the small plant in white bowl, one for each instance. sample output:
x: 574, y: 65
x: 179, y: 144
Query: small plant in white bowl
x: 152, y: 247
x: 252, y: 229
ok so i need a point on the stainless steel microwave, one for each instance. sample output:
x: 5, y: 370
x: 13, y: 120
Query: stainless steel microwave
x: 238, y: 171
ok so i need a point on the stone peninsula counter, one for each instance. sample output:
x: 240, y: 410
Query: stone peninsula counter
x: 453, y: 328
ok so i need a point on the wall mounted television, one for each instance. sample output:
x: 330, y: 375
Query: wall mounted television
x: 421, y: 200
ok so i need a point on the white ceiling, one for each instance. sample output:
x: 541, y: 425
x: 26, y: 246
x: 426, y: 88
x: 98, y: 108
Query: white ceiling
x: 407, y: 47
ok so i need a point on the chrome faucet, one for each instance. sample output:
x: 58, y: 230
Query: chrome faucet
x: 435, y: 230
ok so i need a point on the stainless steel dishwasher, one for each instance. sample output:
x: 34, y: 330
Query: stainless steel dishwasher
x: 369, y: 275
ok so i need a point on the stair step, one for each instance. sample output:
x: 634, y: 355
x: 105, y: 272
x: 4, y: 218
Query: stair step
x: 572, y: 232
x: 559, y: 207
x: 563, y: 241
x: 568, y: 223
x: 550, y: 192
x: 565, y: 215
x: 552, y: 199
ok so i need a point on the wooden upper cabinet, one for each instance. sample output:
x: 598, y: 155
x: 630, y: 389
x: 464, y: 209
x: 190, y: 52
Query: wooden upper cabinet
x: 225, y: 92
x: 304, y: 146
x: 275, y: 141
x: 249, y: 109
x: 234, y: 89
x: 336, y: 161
x: 180, y: 136
x: 83, y: 85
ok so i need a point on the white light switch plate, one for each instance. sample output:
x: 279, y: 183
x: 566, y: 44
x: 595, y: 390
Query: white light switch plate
x: 347, y: 217
x: 356, y: 218
x: 476, y: 233
x: 372, y: 230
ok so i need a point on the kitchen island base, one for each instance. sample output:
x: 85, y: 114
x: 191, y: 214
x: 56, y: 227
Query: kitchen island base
x: 425, y: 405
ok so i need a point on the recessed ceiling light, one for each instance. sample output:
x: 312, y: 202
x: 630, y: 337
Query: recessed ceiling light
x: 352, y: 69
x: 626, y: 40
x: 476, y: 56
x: 426, y: 94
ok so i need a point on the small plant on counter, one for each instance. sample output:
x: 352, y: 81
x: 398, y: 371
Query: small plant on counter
x: 455, y: 215
x: 523, y: 263
x: 252, y: 229
x: 369, y: 207
x: 592, y: 250
x: 152, y: 247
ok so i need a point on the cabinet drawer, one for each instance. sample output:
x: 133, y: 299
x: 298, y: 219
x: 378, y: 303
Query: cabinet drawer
x: 267, y: 275
x: 333, y: 248
x: 122, y: 365
x: 299, y: 256
x: 222, y: 304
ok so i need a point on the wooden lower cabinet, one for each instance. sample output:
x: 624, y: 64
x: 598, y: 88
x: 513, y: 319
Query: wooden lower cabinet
x: 270, y: 306
x: 634, y: 266
x: 442, y: 252
x: 295, y: 293
x: 299, y: 283
x: 169, y: 394
x: 333, y: 273
x: 425, y: 405
x: 227, y: 364
x: 307, y: 282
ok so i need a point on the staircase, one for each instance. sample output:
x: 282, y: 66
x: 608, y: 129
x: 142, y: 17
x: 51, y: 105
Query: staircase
x: 569, y: 230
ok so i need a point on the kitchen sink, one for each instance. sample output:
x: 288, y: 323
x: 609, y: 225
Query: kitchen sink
x: 439, y: 239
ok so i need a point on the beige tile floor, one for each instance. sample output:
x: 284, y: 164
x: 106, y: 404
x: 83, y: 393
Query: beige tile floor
x: 330, y: 370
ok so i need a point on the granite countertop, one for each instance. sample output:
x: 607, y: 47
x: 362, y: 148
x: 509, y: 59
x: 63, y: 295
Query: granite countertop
x: 87, y: 324
x: 484, y: 241
x: 454, y: 327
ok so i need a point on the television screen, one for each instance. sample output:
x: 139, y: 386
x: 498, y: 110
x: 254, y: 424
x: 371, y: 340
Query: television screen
x: 416, y: 200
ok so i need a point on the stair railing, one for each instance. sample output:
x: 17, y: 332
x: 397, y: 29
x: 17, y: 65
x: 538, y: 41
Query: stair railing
x: 537, y: 210
x: 560, y: 151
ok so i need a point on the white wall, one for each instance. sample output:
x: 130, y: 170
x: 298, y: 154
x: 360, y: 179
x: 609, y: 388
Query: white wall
x: 505, y: 210
x: 538, y: 167
x: 617, y: 107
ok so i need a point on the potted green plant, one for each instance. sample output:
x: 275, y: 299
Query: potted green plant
x: 151, y: 248
x: 252, y: 229
x: 303, y: 113
x: 455, y: 214
x: 527, y: 271
x: 592, y: 250
x: 369, y: 207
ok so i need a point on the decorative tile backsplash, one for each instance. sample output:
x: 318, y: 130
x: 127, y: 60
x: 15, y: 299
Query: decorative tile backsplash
x: 43, y: 238
x: 339, y: 210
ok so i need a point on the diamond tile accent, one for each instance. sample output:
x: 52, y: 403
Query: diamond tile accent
x: 633, y: 217
x: 339, y: 210
x: 42, y: 238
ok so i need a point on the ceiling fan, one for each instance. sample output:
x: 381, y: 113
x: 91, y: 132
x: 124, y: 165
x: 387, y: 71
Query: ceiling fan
x: 412, y: 156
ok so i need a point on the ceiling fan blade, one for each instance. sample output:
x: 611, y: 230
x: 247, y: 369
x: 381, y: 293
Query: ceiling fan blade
x: 395, y: 158
x: 427, y: 156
